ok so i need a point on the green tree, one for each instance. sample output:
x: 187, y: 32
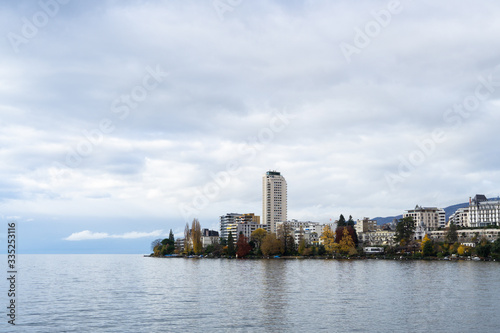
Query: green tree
x: 271, y: 245
x: 495, y: 248
x: 321, y: 250
x: 404, y: 230
x: 230, y: 245
x: 171, y: 236
x: 452, y: 234
x: 428, y: 248
x: 350, y: 222
x: 341, y: 222
x: 484, y: 248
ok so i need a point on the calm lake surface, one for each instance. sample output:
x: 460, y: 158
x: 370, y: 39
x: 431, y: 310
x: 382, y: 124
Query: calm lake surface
x: 130, y: 293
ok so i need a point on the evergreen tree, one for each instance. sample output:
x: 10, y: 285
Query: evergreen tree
x: 341, y: 221
x: 452, y: 234
x: 350, y: 222
x: 428, y: 249
x: 230, y: 245
x: 171, y: 236
x: 404, y: 230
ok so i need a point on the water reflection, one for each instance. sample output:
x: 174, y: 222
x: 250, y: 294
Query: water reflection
x: 135, y: 294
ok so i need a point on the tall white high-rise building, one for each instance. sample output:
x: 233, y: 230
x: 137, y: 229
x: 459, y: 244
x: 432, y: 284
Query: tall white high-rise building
x: 274, y: 203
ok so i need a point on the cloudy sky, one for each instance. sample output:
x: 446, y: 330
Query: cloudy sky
x: 121, y: 120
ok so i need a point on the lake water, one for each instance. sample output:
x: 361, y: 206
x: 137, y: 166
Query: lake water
x: 130, y: 293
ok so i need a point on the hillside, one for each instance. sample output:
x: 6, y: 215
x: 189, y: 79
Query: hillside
x: 449, y: 210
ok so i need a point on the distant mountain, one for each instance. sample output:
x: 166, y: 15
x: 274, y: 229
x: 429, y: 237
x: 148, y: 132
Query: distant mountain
x: 452, y: 209
x: 388, y: 219
x: 449, y: 210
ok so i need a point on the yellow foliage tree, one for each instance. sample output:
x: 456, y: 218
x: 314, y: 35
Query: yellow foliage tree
x: 328, y: 238
x: 196, y: 236
x: 461, y: 250
x: 271, y: 245
x: 346, y: 243
x: 258, y: 236
x: 425, y: 240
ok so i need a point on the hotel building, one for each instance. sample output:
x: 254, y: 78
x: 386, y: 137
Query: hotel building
x: 274, y: 199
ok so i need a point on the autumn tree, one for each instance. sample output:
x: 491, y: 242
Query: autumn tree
x: 302, y: 246
x: 328, y: 238
x: 404, y: 230
x: 463, y: 250
x: 339, y: 234
x: 271, y: 245
x: 187, y: 239
x: 285, y: 235
x: 242, y: 246
x: 257, y: 237
x: 426, y: 239
x: 196, y: 237
x: 346, y: 244
x: 155, y: 243
x: 230, y: 245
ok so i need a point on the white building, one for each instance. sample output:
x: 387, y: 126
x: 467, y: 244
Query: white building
x: 365, y: 225
x: 228, y: 224
x: 468, y: 235
x: 310, y: 231
x: 427, y: 218
x: 484, y: 212
x: 274, y: 199
x: 460, y: 218
x: 379, y: 237
x: 236, y: 223
x: 248, y: 228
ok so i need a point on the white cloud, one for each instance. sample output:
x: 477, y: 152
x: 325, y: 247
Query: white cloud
x: 89, y: 235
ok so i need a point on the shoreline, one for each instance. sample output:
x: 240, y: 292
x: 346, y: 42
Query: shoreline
x: 400, y: 258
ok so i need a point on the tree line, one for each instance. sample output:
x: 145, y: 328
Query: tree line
x: 343, y: 241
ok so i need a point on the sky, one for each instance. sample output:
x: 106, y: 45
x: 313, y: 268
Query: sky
x: 121, y: 120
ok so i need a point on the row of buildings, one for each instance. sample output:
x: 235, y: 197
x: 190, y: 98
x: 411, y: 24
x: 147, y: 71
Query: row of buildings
x: 481, y: 212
